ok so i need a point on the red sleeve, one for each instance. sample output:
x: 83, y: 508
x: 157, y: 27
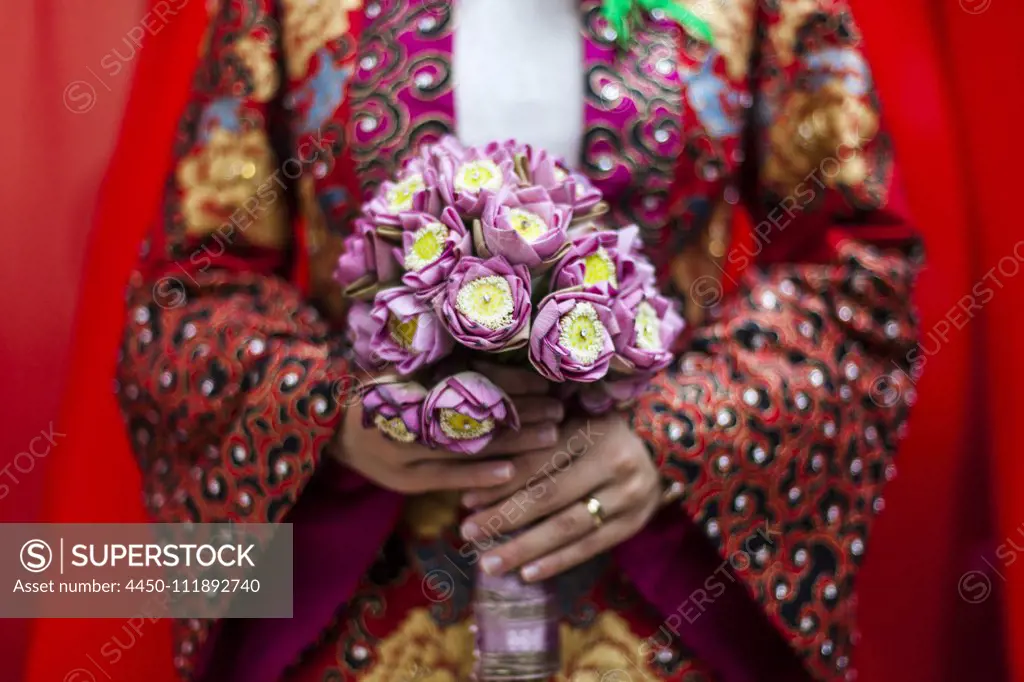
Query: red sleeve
x: 789, y: 402
x: 230, y: 384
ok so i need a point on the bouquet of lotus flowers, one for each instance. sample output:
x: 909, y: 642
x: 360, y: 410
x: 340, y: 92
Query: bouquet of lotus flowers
x: 497, y: 251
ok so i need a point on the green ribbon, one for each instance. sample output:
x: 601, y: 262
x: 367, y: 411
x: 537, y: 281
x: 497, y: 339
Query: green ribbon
x: 621, y: 14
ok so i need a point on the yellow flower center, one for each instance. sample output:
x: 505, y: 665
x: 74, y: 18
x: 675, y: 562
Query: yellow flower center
x: 460, y: 427
x: 599, y: 267
x: 530, y: 226
x: 395, y: 428
x: 582, y: 334
x: 477, y: 175
x: 401, y: 195
x: 402, y: 332
x: 427, y: 246
x: 647, y: 327
x: 487, y: 301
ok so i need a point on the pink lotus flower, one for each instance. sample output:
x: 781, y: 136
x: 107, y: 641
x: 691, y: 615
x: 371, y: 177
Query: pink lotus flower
x: 365, y: 261
x: 412, y: 190
x: 409, y: 334
x: 524, y: 226
x: 572, y: 336
x: 486, y: 304
x: 467, y: 177
x: 604, y: 262
x: 652, y: 325
x: 565, y: 188
x: 431, y: 248
x: 395, y: 409
x: 360, y: 330
x: 464, y: 412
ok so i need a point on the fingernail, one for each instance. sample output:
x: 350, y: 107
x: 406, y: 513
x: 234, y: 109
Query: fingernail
x: 503, y: 472
x: 469, y: 500
x: 530, y: 572
x: 491, y: 565
x: 550, y: 435
x: 470, y: 530
x: 557, y: 412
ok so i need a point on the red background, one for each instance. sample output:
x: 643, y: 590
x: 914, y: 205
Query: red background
x: 950, y: 74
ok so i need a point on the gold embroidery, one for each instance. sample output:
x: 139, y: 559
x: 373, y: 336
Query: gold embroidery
x: 311, y: 24
x: 256, y: 55
x: 600, y: 652
x: 732, y: 25
x: 420, y: 650
x: 227, y: 186
x: 793, y: 14
x: 814, y: 127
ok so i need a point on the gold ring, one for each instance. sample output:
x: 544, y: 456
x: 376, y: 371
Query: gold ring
x: 596, y: 511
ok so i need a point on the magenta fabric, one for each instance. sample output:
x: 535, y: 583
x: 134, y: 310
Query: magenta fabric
x: 340, y: 523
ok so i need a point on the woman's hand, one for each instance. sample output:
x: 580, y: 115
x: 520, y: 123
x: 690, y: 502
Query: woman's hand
x: 600, y: 459
x: 413, y: 468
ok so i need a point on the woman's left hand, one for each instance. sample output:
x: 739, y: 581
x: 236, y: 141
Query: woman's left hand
x: 598, y: 459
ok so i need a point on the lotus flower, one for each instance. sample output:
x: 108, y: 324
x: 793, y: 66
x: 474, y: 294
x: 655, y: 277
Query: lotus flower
x: 604, y: 262
x: 395, y: 409
x: 570, y: 189
x: 524, y: 226
x: 360, y: 330
x: 467, y: 178
x: 464, y: 412
x: 431, y: 248
x: 572, y: 336
x: 653, y: 324
x: 409, y: 334
x: 609, y: 394
x: 413, y: 190
x: 365, y: 261
x: 486, y: 304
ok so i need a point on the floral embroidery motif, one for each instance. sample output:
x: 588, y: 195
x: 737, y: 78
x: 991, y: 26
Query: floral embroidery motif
x: 421, y: 650
x: 259, y: 61
x: 819, y: 114
x: 713, y: 100
x: 220, y: 181
x: 321, y: 94
x: 793, y: 15
x: 309, y: 25
x: 732, y: 25
x: 827, y: 124
x: 606, y: 650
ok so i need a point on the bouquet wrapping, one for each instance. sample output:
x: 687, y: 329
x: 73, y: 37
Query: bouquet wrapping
x: 501, y: 253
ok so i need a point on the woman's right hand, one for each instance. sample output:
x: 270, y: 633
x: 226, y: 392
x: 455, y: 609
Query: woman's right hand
x: 412, y: 468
